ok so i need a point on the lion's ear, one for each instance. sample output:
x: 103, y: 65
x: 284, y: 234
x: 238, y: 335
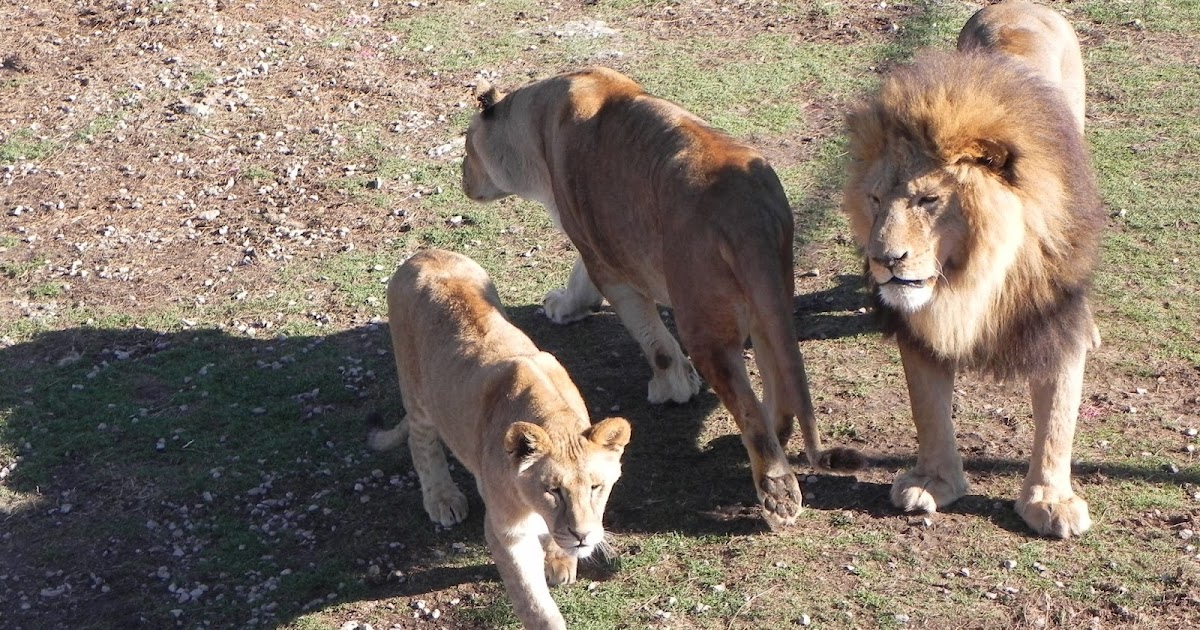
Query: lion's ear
x: 610, y: 433
x: 486, y: 95
x: 989, y: 154
x: 525, y: 441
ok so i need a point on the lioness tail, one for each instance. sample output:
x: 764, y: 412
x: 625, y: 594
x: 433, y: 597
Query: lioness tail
x: 380, y: 438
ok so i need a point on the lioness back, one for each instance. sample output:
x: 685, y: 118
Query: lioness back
x: 1036, y: 35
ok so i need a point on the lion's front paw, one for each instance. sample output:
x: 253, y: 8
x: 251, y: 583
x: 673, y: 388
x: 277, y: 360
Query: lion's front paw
x: 446, y: 506
x: 1053, y: 513
x: 780, y: 497
x: 914, y: 491
x: 560, y: 568
x: 561, y: 307
x: 677, y: 384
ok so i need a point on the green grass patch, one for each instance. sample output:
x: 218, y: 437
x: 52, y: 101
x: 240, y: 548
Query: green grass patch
x: 23, y: 144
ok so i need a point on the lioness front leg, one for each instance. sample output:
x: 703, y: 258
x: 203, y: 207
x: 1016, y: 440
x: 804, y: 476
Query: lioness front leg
x: 1047, y: 502
x: 444, y: 502
x: 574, y: 302
x: 520, y: 561
x: 938, y: 479
x: 674, y: 377
x: 560, y: 566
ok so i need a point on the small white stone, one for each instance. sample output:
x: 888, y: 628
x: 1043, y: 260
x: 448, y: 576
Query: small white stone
x: 804, y: 620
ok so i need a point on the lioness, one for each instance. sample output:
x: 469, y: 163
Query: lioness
x: 1036, y: 35
x: 663, y: 208
x: 511, y: 415
x: 971, y: 194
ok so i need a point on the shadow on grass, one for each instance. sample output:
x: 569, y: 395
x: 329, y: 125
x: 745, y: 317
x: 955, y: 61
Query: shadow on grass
x: 834, y: 492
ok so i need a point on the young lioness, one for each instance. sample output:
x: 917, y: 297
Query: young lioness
x: 511, y: 415
x: 664, y: 208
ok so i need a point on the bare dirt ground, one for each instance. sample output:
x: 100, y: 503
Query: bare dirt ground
x: 182, y: 157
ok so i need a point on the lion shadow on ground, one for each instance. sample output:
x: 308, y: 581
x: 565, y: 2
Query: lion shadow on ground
x: 832, y: 492
x: 834, y: 313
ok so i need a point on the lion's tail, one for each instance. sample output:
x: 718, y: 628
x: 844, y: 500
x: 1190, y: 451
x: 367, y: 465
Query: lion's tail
x: 381, y: 438
x: 775, y: 341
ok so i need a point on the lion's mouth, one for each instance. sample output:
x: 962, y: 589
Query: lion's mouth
x: 915, y: 284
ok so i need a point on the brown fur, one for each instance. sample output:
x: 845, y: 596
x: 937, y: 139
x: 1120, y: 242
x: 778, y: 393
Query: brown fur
x: 511, y: 416
x: 971, y: 194
x: 1036, y: 35
x: 663, y: 208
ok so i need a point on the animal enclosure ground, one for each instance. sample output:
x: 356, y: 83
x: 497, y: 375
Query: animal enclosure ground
x: 200, y: 202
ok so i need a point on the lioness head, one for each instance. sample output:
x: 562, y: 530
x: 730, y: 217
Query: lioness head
x: 567, y: 481
x: 484, y: 176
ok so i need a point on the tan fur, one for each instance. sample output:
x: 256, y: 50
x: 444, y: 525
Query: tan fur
x: 665, y: 209
x: 972, y: 197
x: 1038, y: 36
x: 511, y: 415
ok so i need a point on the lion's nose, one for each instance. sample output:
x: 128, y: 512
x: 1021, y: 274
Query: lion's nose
x: 581, y: 537
x: 890, y: 259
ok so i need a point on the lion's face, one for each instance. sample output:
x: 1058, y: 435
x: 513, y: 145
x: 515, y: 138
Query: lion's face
x: 913, y: 230
x: 477, y: 181
x: 568, y: 484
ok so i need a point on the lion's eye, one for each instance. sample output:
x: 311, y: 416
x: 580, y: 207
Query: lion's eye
x: 929, y: 200
x: 554, y: 492
x: 875, y: 200
x: 596, y: 488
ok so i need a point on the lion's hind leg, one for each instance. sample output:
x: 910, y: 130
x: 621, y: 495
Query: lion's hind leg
x: 574, y: 302
x: 1047, y: 502
x: 938, y: 479
x: 444, y: 502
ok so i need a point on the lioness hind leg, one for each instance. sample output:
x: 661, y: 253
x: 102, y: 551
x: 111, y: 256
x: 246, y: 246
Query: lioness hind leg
x: 1047, y: 502
x: 560, y: 566
x: 574, y: 302
x: 774, y: 480
x: 674, y: 377
x: 444, y: 502
x: 938, y: 479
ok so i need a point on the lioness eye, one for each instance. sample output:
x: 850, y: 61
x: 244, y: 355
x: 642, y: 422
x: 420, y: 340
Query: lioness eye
x: 596, y: 488
x: 929, y: 200
x: 875, y: 200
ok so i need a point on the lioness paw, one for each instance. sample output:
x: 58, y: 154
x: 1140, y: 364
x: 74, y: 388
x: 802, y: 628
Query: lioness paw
x: 677, y: 384
x: 780, y: 498
x: 560, y: 568
x: 561, y: 307
x: 1061, y: 517
x: 446, y: 506
x: 914, y: 491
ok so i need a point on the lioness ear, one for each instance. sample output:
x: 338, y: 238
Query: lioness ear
x: 525, y: 441
x: 486, y: 95
x: 610, y: 433
x: 986, y: 153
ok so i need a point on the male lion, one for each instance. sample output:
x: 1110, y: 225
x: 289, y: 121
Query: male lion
x: 971, y: 194
x: 511, y: 415
x: 663, y: 208
x: 1038, y: 36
